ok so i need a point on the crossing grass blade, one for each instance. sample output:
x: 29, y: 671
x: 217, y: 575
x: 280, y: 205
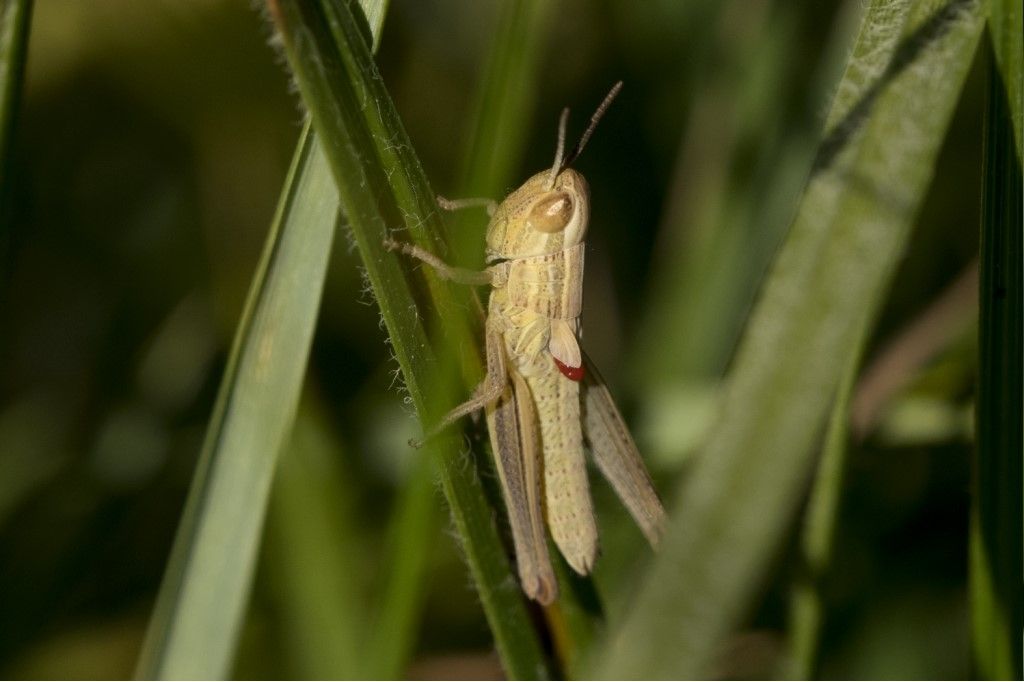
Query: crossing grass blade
x: 506, y: 96
x: 413, y: 532
x: 314, y: 563
x: 195, y: 625
x: 1006, y: 27
x: 14, y: 24
x: 382, y: 187
x: 201, y: 603
x: 997, y: 598
x: 806, y: 610
x: 733, y: 511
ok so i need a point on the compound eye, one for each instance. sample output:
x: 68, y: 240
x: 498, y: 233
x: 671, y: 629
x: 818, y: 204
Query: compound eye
x: 552, y: 213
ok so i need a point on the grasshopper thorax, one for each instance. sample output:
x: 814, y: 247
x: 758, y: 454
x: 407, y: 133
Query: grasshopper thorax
x: 541, y: 217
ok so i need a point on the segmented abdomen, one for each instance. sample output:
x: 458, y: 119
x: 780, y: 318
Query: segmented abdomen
x: 569, y: 509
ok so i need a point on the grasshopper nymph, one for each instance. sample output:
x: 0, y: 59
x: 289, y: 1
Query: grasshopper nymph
x: 542, y: 395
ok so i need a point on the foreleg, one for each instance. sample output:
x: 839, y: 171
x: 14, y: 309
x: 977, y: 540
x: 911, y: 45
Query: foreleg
x: 458, y: 204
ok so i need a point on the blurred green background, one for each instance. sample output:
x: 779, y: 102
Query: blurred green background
x: 151, y: 148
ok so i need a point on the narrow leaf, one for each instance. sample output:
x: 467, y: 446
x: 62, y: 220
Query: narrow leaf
x: 382, y: 185
x: 997, y: 598
x: 202, y: 599
x: 412, y: 533
x: 1006, y: 26
x: 493, y: 151
x: 507, y: 92
x: 818, y: 536
x: 887, y: 124
x: 14, y: 24
x: 501, y: 121
x: 314, y: 561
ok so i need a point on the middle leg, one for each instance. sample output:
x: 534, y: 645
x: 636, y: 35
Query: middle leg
x: 445, y: 271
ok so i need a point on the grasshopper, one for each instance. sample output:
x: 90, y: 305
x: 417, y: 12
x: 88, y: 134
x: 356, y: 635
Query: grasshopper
x: 542, y: 396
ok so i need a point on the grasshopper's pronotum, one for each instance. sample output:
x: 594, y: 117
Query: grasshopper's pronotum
x: 542, y: 396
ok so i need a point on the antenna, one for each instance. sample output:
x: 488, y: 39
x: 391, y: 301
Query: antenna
x: 578, y: 149
x: 560, y: 149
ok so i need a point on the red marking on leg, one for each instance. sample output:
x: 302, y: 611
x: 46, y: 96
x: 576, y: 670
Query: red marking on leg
x: 574, y: 373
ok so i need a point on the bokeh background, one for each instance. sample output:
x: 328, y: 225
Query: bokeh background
x: 151, y: 149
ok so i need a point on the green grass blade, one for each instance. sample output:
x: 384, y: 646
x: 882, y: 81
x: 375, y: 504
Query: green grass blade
x: 501, y: 119
x: 195, y: 625
x: 997, y: 602
x: 887, y: 125
x: 315, y: 566
x: 725, y: 220
x: 381, y: 186
x: 14, y: 23
x: 508, y: 89
x: 194, y: 628
x: 1006, y: 26
x: 501, y: 115
x: 806, y: 607
x: 817, y: 538
x: 375, y: 11
x: 412, y: 534
x: 573, y: 619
